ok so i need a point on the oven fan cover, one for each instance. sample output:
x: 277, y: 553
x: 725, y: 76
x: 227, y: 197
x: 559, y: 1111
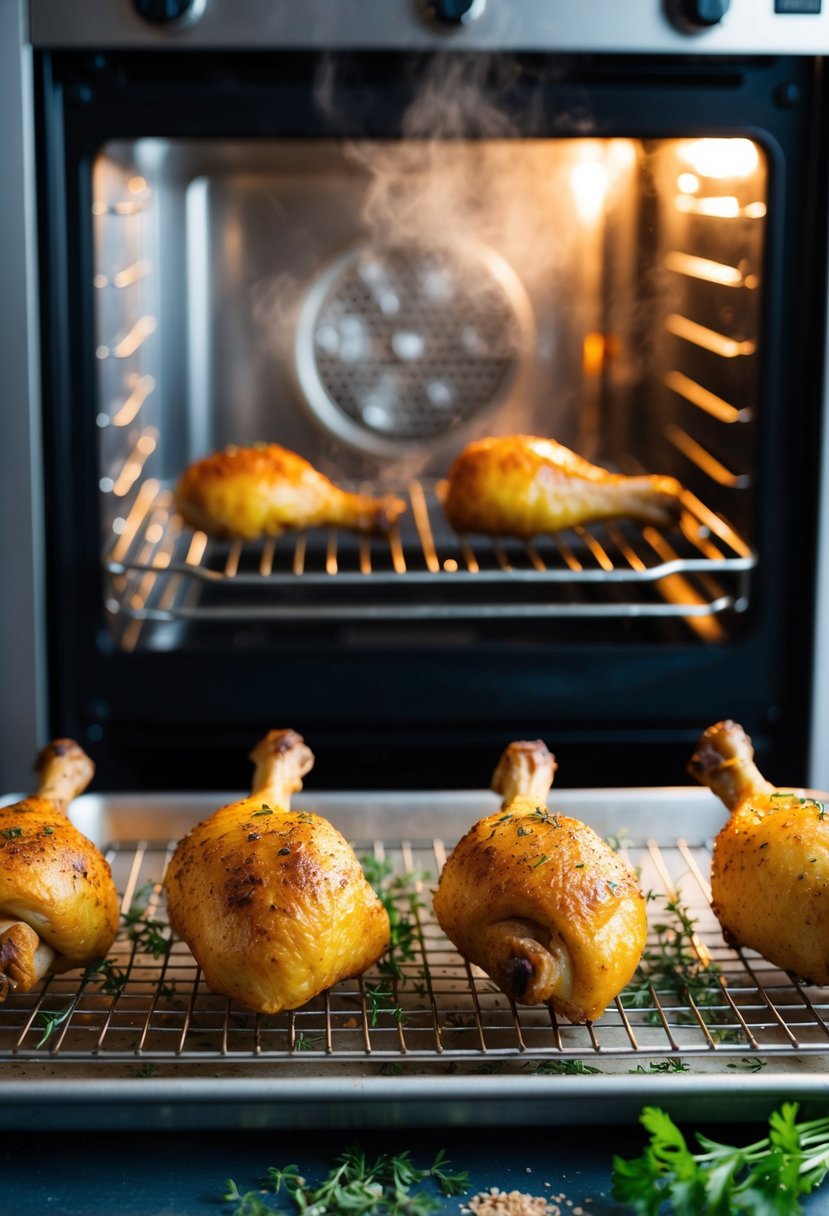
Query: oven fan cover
x: 399, y: 346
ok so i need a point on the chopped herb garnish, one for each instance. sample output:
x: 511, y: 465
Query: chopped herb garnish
x: 47, y: 831
x: 503, y: 819
x: 540, y: 861
x: 306, y: 1042
x: 266, y: 810
x: 579, y: 865
x: 525, y: 832
x: 672, y: 1064
x: 11, y: 833
x: 50, y: 1021
x: 566, y: 1068
x: 748, y: 1064
x: 283, y: 852
x: 614, y: 886
x: 381, y: 1000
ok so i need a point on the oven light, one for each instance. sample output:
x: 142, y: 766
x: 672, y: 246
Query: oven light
x: 688, y: 183
x: 589, y: 183
x: 720, y: 158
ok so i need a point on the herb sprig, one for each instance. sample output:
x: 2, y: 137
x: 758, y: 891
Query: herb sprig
x: 766, y: 1178
x: 355, y: 1185
x: 675, y: 964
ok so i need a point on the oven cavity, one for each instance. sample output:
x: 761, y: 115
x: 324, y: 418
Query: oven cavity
x: 610, y: 298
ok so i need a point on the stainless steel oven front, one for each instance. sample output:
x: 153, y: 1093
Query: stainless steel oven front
x: 373, y: 233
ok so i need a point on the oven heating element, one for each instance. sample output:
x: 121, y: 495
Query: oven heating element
x: 438, y: 1012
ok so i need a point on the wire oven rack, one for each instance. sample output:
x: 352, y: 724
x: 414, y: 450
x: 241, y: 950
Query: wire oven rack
x: 157, y: 569
x: 441, y: 1013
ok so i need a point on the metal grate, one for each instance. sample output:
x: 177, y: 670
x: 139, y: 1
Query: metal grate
x: 159, y: 570
x: 440, y: 1010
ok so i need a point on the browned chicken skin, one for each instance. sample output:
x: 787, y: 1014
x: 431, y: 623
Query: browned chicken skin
x: 58, y: 904
x: 273, y: 902
x: 539, y: 901
x: 770, y: 868
x: 245, y: 493
x: 523, y: 485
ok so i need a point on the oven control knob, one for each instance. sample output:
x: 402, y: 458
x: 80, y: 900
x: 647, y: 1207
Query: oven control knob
x: 166, y: 12
x: 457, y: 12
x: 700, y: 14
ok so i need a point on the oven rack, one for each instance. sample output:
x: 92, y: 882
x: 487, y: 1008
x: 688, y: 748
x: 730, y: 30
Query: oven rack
x: 440, y: 1015
x: 158, y: 569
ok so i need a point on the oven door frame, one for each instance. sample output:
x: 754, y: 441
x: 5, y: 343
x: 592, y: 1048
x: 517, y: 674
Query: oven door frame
x: 481, y: 732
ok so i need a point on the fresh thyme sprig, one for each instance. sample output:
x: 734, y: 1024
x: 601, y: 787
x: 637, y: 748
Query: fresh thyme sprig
x: 147, y: 933
x: 675, y: 965
x: 355, y: 1185
x: 400, y: 896
x: 381, y: 1000
x: 766, y: 1178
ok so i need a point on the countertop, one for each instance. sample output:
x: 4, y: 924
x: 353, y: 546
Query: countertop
x: 161, y: 1174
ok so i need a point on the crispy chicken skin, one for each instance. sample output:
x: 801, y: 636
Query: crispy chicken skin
x: 245, y: 493
x: 272, y: 902
x: 770, y: 867
x: 539, y: 901
x: 523, y: 485
x: 58, y: 904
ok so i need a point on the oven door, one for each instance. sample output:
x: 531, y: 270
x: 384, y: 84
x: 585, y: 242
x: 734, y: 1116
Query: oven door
x: 204, y: 233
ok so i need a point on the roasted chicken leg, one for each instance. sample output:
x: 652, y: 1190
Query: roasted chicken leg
x: 539, y: 901
x: 58, y: 904
x: 245, y: 493
x: 272, y: 902
x: 770, y: 867
x: 521, y: 485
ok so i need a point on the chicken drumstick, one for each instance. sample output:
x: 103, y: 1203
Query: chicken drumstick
x: 58, y: 904
x: 521, y: 485
x: 771, y: 860
x: 539, y: 901
x: 272, y: 902
x: 245, y: 493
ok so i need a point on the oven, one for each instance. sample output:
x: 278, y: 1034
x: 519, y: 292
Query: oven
x: 373, y: 240
x: 373, y: 233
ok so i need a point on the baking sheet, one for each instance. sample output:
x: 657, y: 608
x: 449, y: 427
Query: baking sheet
x: 166, y: 1052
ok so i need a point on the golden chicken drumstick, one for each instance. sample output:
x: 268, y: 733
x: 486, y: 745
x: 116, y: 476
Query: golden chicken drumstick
x: 770, y: 864
x: 245, y: 493
x: 58, y: 904
x: 272, y: 902
x: 522, y: 485
x: 539, y: 901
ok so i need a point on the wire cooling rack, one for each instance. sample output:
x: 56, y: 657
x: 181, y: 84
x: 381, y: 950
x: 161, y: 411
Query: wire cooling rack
x: 151, y: 1005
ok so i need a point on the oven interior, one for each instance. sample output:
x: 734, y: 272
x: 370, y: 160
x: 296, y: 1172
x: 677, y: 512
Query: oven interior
x: 375, y: 306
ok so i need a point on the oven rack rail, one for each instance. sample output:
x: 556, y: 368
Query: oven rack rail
x: 440, y: 1014
x: 159, y: 570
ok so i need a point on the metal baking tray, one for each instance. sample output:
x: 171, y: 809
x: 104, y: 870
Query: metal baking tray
x: 439, y: 1045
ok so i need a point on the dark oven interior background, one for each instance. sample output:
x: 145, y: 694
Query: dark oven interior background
x: 222, y: 235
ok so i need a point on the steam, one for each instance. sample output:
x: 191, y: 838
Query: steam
x: 464, y: 193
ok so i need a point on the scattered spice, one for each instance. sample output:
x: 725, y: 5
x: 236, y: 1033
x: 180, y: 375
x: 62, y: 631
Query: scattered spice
x: 509, y: 1203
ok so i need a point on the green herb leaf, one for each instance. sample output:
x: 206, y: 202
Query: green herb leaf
x: 766, y: 1178
x: 11, y: 833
